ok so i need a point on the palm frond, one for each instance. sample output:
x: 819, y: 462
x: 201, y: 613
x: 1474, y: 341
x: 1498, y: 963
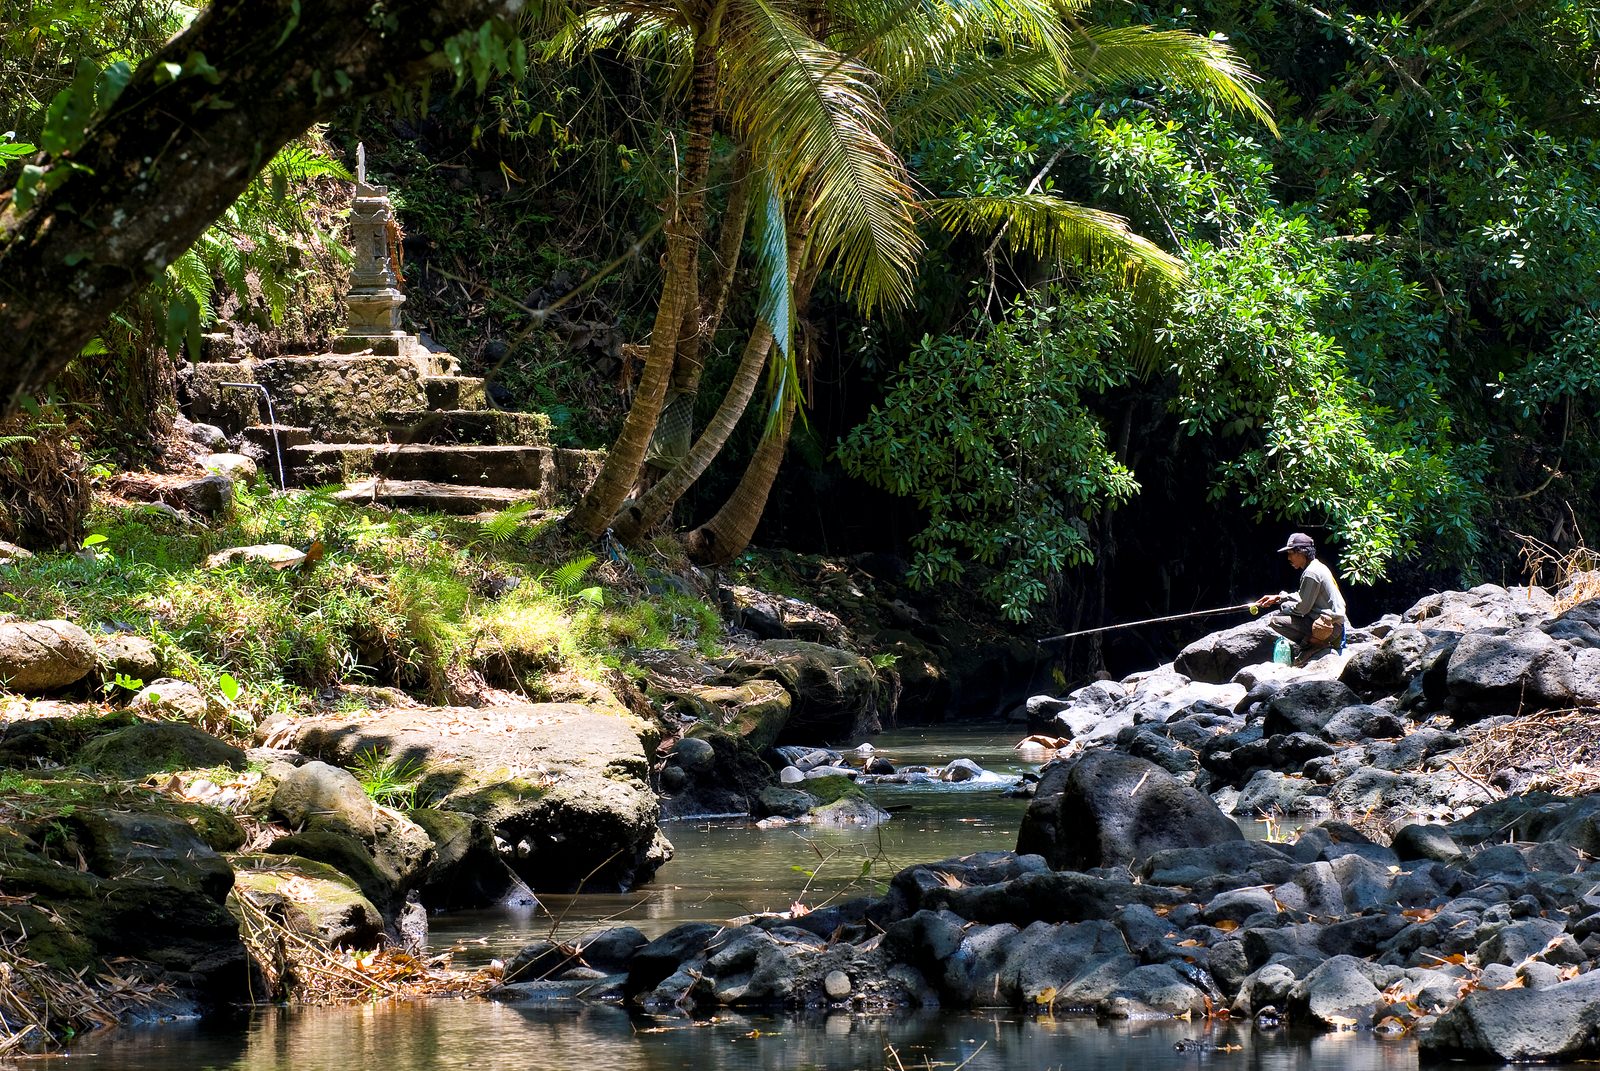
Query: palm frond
x: 1061, y: 232
x: 1098, y: 58
x: 776, y: 303
x: 643, y: 31
x: 817, y: 115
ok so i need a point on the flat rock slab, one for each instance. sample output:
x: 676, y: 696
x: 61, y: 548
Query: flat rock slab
x: 564, y: 788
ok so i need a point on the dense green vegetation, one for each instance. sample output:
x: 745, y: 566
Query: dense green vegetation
x: 1383, y: 329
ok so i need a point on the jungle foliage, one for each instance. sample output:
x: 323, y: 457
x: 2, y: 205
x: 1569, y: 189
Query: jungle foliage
x: 1387, y: 325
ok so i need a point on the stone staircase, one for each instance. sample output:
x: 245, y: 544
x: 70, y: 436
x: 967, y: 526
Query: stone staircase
x: 401, y: 428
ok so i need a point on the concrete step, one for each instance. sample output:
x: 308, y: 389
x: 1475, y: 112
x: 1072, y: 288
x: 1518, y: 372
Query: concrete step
x: 483, y: 427
x: 481, y: 466
x: 263, y: 447
x: 431, y: 497
x: 455, y: 392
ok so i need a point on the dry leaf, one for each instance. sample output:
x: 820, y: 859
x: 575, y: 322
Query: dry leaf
x: 1190, y: 943
x: 1227, y: 925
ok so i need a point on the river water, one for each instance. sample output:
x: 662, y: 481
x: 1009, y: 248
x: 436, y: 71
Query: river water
x: 723, y: 869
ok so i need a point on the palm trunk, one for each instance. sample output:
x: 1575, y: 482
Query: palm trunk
x: 679, y: 294
x: 725, y: 536
x: 640, y: 516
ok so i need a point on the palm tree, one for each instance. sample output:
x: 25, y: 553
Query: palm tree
x: 813, y: 95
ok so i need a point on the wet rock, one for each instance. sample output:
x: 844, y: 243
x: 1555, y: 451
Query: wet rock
x: 657, y: 960
x: 42, y: 656
x: 959, y: 770
x: 1105, y: 809
x: 466, y: 871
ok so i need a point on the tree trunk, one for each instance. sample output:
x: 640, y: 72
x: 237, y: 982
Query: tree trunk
x: 725, y: 536
x: 176, y: 152
x: 684, y: 232
x: 650, y: 509
x: 638, y: 517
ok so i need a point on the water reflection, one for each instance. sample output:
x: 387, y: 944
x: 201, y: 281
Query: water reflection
x: 723, y: 870
x: 444, y: 1035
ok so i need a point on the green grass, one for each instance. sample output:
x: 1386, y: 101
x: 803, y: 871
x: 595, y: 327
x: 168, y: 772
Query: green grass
x: 397, y: 599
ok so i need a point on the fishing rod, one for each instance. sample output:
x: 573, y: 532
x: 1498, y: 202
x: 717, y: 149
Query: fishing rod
x: 1253, y: 607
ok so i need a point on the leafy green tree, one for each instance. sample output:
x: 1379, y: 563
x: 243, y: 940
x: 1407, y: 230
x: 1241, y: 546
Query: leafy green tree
x: 137, y: 163
x: 813, y: 101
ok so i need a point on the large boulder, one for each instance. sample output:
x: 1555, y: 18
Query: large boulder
x: 158, y: 746
x: 834, y: 693
x: 712, y: 773
x: 94, y: 883
x: 40, y: 656
x: 1503, y: 673
x: 1108, y: 809
x: 1214, y: 659
x: 1307, y: 706
x: 1521, y: 1025
x: 564, y: 788
x: 1385, y: 668
x: 1485, y: 606
x: 756, y: 710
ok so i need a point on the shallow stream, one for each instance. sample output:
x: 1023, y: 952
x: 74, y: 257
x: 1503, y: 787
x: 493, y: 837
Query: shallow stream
x: 723, y: 869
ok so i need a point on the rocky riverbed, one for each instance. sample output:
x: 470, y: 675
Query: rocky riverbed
x: 1412, y: 889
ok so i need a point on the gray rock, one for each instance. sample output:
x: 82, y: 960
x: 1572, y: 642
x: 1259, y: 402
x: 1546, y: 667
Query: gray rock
x: 1485, y: 606
x: 785, y: 802
x: 235, y: 467
x: 134, y: 657
x: 1520, y: 1024
x: 791, y: 775
x: 1363, y: 722
x: 38, y: 656
x: 209, y: 436
x: 10, y: 553
x: 1387, y: 667
x: 1214, y: 659
x: 836, y: 984
x: 318, y: 796
x: 1154, y: 991
x: 1340, y: 989
x: 171, y: 698
x: 695, y: 755
x: 1425, y: 842
x: 1307, y: 706
x: 1272, y: 793
x: 1491, y: 673
x: 209, y: 496
x: 958, y: 770
x: 1106, y: 809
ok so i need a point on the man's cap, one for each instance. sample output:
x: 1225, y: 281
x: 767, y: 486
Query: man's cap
x: 1299, y: 541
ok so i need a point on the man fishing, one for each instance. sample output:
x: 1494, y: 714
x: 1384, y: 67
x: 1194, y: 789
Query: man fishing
x: 1314, y: 622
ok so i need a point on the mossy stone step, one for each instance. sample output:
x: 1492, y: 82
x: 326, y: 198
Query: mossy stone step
x: 483, y: 427
x: 479, y: 466
x: 455, y: 392
x: 431, y: 497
